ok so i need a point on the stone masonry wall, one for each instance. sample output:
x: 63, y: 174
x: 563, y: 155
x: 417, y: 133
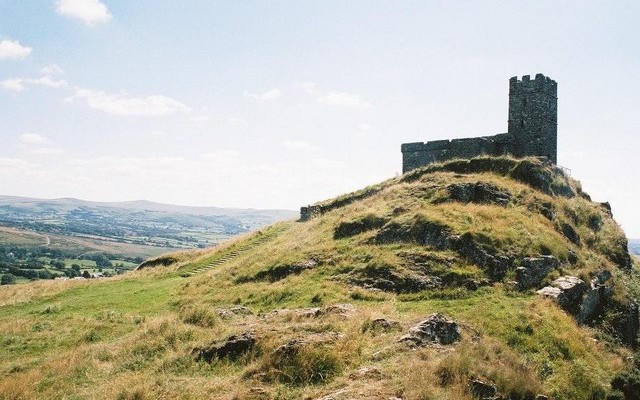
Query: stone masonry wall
x: 532, y: 129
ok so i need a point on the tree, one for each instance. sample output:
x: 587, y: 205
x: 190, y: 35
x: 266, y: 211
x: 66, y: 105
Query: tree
x: 86, y: 274
x: 7, y: 279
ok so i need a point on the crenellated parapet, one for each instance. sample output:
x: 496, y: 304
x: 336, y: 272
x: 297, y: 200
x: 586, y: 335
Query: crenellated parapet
x: 532, y: 129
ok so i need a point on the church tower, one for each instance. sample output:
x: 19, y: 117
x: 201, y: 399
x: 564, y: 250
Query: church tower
x: 533, y: 116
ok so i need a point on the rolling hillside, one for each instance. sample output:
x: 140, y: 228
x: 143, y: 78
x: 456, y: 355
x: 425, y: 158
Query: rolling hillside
x: 487, y: 278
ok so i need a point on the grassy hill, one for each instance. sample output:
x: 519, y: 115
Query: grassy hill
x: 321, y: 309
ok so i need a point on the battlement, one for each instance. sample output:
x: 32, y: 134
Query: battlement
x: 532, y: 129
x: 541, y: 83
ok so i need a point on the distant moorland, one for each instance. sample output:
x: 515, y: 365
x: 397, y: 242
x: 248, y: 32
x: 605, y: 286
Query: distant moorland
x: 634, y: 246
x: 41, y: 239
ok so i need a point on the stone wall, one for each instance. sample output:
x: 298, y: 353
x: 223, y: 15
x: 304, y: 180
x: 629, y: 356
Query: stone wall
x: 532, y: 129
x: 415, y: 155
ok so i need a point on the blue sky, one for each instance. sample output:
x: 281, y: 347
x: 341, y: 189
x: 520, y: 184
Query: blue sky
x: 282, y: 103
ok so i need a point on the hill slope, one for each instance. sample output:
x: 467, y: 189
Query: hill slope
x: 344, y: 306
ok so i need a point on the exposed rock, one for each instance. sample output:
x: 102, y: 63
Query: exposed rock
x: 441, y: 237
x: 279, y: 272
x: 384, y: 325
x: 344, y: 310
x: 232, y: 348
x: 567, y: 291
x: 482, y: 390
x: 570, y: 233
x: 367, y: 373
x: 363, y: 224
x: 479, y: 192
x: 541, y: 397
x: 495, y: 265
x: 233, y: 311
x: 436, y: 329
x: 392, y: 279
x: 534, y: 270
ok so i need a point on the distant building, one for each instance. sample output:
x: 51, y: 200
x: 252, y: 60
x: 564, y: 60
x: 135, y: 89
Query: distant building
x: 532, y: 129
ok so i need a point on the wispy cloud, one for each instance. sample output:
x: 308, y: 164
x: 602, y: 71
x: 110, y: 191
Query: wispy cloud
x: 297, y: 145
x: 33, y: 143
x: 13, y: 85
x: 344, y: 99
x: 13, y: 50
x: 269, y: 95
x: 52, y: 69
x: 91, y: 12
x: 20, y: 84
x: 122, y: 104
x: 333, y: 97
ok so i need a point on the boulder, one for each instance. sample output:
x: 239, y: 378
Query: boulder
x: 436, y: 329
x: 567, y: 291
x: 385, y: 325
x: 534, y: 270
x: 232, y: 348
x: 234, y: 311
x: 482, y: 390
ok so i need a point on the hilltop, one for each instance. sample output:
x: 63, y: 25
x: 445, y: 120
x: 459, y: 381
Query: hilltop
x: 482, y: 278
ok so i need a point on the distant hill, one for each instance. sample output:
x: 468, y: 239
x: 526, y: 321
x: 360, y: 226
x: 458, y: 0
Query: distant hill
x: 634, y: 246
x: 43, y: 233
x: 490, y: 278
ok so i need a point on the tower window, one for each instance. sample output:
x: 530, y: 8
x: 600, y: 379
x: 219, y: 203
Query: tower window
x: 521, y: 123
x: 524, y: 102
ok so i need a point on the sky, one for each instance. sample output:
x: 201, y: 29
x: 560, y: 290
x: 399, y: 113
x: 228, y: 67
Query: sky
x: 278, y: 104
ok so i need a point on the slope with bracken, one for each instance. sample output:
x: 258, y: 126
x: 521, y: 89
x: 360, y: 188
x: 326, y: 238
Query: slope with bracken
x: 483, y: 278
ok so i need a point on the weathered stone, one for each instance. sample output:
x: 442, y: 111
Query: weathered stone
x: 534, y: 270
x: 344, y: 310
x: 233, y: 311
x: 532, y: 129
x: 384, y: 324
x: 541, y: 397
x: 436, y: 329
x: 568, y: 292
x: 570, y: 233
x: 482, y: 390
x: 281, y: 271
x: 479, y: 192
x: 232, y: 348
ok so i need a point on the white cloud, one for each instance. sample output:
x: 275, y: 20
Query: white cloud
x: 14, y: 85
x: 33, y: 138
x: 52, y: 69
x: 297, y: 145
x: 307, y: 87
x: 269, y: 95
x: 13, y: 50
x: 124, y: 105
x: 343, y: 99
x: 91, y: 12
x: 19, y: 84
x: 33, y: 143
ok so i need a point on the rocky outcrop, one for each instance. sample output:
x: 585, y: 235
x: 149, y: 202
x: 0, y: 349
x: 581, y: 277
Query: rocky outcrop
x: 534, y: 270
x: 441, y: 237
x: 391, y: 279
x: 278, y: 272
x: 436, y: 329
x: 232, y: 348
x: 482, y: 390
x: 479, y: 192
x: 343, y: 310
x: 234, y: 311
x: 582, y: 300
x: 358, y: 226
